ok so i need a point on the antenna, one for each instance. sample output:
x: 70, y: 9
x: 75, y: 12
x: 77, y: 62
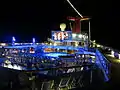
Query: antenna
x: 74, y: 8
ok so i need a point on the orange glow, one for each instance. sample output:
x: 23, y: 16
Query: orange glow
x: 82, y: 19
x: 49, y: 49
x: 71, y: 52
x: 78, y: 18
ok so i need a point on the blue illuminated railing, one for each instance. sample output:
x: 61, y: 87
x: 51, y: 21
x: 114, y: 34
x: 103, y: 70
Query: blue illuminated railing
x: 103, y: 63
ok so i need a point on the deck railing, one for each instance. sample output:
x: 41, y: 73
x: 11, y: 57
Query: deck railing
x: 103, y: 63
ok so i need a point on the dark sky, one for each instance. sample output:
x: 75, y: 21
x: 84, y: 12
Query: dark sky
x: 25, y: 20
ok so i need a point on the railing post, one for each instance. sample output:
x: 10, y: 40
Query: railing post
x: 91, y: 76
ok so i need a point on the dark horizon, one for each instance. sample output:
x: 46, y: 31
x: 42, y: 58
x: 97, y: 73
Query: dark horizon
x: 26, y: 20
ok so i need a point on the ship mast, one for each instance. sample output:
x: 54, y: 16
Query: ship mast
x: 75, y: 9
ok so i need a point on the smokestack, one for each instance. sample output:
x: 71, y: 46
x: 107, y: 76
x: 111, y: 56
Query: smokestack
x: 76, y: 26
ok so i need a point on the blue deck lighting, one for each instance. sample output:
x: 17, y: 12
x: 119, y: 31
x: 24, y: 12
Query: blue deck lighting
x: 33, y: 40
x: 13, y: 40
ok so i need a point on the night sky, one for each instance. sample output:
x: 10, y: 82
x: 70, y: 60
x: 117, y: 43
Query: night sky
x: 25, y: 20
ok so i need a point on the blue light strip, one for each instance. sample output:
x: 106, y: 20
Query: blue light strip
x: 13, y: 39
x: 33, y: 41
x: 103, y: 64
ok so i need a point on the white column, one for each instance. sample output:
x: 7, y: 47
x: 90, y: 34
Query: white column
x: 89, y: 31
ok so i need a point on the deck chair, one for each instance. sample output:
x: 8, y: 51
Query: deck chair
x: 72, y: 83
x: 47, y: 85
x: 79, y: 82
x: 64, y: 83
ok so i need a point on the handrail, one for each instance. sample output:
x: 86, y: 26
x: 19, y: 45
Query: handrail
x: 56, y: 68
x: 104, y: 64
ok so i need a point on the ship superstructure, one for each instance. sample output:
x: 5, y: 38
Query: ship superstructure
x: 66, y: 52
x: 66, y: 60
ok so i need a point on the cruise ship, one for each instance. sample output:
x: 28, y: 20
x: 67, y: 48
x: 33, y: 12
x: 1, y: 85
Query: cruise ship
x: 68, y: 60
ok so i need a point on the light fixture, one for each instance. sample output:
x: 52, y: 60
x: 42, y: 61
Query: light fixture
x: 74, y: 35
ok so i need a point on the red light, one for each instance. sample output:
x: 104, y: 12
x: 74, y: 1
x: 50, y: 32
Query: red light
x: 32, y: 50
